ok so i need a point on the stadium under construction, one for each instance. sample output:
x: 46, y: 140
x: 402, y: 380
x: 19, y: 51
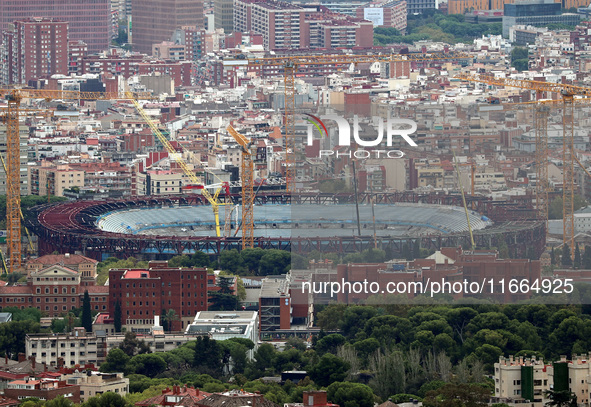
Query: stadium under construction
x: 162, y: 227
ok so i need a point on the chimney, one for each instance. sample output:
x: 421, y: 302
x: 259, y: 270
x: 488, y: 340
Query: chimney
x: 32, y: 359
x: 44, y: 367
x: 6, y: 359
x: 22, y: 357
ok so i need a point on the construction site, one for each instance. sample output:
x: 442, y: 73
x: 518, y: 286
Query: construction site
x: 444, y: 203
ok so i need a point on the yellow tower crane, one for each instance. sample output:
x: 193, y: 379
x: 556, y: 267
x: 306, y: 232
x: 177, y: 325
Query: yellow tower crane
x: 568, y: 93
x: 247, y: 175
x: 195, y: 181
x: 12, y: 120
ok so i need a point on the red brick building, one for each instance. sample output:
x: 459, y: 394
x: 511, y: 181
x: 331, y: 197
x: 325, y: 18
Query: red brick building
x: 43, y: 389
x: 77, y: 50
x: 450, y: 265
x: 136, y: 64
x: 34, y: 48
x: 56, y: 284
x: 392, y: 14
x: 317, y: 398
x: 144, y: 294
x: 113, y: 64
x: 179, y: 71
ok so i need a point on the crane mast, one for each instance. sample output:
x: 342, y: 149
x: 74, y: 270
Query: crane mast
x: 568, y: 93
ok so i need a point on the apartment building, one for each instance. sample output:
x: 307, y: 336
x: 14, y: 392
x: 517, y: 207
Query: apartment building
x: 110, y: 176
x: 222, y: 325
x: 521, y: 380
x: 55, y: 290
x: 430, y: 177
x: 77, y: 50
x: 81, y: 348
x: 169, y: 50
x: 192, y: 39
x: 53, y: 180
x: 34, y: 48
x: 85, y: 266
x: 291, y: 26
x: 275, y: 304
x: 88, y: 20
x: 418, y: 6
x: 42, y: 389
x: 389, y: 14
x: 493, y: 181
x: 154, y: 21
x: 144, y: 293
x: 96, y: 383
x: 160, y: 182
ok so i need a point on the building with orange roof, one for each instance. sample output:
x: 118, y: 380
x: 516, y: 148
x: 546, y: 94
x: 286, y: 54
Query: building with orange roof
x: 177, y: 396
x: 55, y: 288
x: 43, y: 389
x: 82, y: 264
x: 235, y: 398
x: 8, y: 402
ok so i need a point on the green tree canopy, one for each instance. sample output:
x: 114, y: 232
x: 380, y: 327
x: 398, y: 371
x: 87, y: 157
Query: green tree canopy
x: 348, y: 394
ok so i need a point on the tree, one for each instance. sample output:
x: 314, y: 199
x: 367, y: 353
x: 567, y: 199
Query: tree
x: 13, y: 335
x: 147, y: 364
x: 86, y: 318
x: 561, y: 398
x: 251, y: 258
x: 264, y: 356
x: 230, y: 260
x: 388, y: 373
x: 347, y: 394
x: 275, y: 261
x: 577, y: 260
x: 116, y: 361
x: 208, y: 356
x: 456, y: 395
x: 233, y: 356
x: 198, y: 259
x: 168, y: 319
x: 566, y: 259
x: 555, y: 208
x: 330, y: 343
x: 331, y: 317
x: 59, y: 401
x: 117, y: 316
x: 108, y: 399
x: 133, y: 346
x: 329, y: 369
x: 519, y: 57
x: 224, y: 299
